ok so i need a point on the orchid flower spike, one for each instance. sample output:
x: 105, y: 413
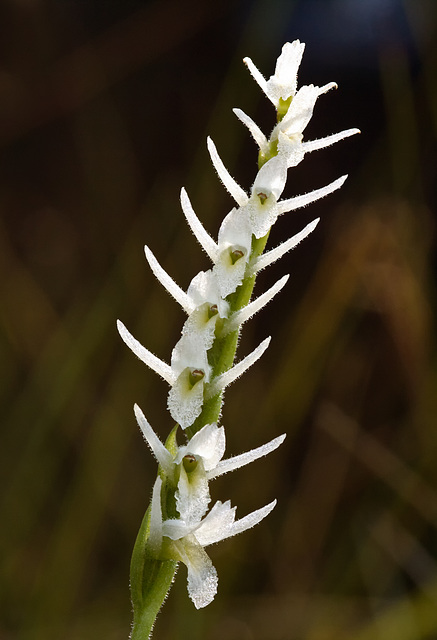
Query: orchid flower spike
x: 179, y: 523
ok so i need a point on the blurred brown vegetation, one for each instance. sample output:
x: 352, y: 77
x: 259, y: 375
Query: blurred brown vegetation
x: 104, y: 110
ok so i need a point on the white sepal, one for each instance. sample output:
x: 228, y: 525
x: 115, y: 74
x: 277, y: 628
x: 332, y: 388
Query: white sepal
x: 244, y: 314
x: 321, y: 143
x: 230, y: 464
x: 220, y: 522
x: 271, y: 256
x: 257, y: 75
x: 252, y: 519
x: 202, y: 236
x: 254, y: 129
x: 163, y: 456
x: 157, y: 365
x: 225, y: 379
x: 231, y: 185
x: 167, y: 282
x: 154, y: 541
x: 302, y: 201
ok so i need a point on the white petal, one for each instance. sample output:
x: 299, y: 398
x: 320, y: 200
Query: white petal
x: 157, y: 365
x: 235, y: 230
x: 176, y: 528
x: 299, y: 112
x: 202, y: 576
x: 202, y: 236
x: 163, y: 456
x: 245, y: 458
x: 262, y: 216
x: 237, y: 370
x: 217, y: 524
x: 291, y: 148
x: 192, y: 495
x: 284, y: 82
x: 271, y: 178
x: 209, y: 444
x: 258, y: 77
x: 244, y: 314
x: 167, y: 282
x: 203, y: 288
x: 308, y: 198
x: 154, y: 540
x: 202, y: 325
x: 185, y: 401
x: 189, y: 352
x: 321, y: 143
x: 254, y: 129
x: 230, y: 274
x: 274, y: 254
x: 222, y: 524
x: 231, y: 185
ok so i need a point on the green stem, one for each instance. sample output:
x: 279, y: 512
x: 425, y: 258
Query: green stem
x: 160, y: 576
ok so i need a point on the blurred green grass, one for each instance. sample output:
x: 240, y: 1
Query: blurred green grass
x: 99, y: 130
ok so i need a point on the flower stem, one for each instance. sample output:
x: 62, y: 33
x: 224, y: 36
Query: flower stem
x: 160, y: 576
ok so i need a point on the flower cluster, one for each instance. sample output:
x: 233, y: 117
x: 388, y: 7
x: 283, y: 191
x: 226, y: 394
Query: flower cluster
x: 216, y: 311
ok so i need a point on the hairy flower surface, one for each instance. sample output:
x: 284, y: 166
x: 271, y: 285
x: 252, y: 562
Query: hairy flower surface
x: 188, y: 373
x: 295, y: 109
x: 185, y: 541
x: 197, y: 462
x: 282, y: 85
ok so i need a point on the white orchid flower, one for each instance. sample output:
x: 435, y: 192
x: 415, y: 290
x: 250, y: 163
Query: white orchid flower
x: 189, y: 372
x: 232, y: 250
x: 282, y: 85
x: 185, y: 542
x: 263, y: 207
x: 289, y: 131
x: 189, y: 363
x: 202, y: 289
x: 198, y: 462
x: 234, y: 246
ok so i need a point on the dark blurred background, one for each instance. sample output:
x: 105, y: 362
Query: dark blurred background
x: 104, y: 110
